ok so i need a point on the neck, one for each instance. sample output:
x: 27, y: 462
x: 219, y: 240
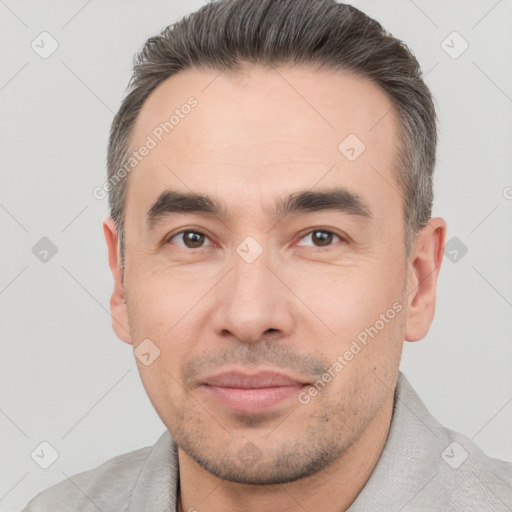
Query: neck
x: 332, y: 489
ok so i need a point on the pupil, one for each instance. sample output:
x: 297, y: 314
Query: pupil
x: 322, y: 238
x: 193, y: 239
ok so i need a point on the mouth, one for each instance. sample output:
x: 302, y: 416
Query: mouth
x: 252, y: 393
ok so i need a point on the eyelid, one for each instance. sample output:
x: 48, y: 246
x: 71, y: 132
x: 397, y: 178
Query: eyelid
x: 170, y: 236
x: 310, y: 231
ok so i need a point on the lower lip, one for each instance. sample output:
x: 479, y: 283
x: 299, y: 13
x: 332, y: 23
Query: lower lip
x: 252, y: 400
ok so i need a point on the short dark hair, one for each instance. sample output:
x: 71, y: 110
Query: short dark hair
x: 225, y: 35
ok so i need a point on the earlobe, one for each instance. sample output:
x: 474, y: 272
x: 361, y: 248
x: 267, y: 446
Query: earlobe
x: 424, y: 267
x: 118, y: 307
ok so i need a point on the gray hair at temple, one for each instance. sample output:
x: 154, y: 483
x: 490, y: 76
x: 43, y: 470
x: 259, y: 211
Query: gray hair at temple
x: 226, y: 35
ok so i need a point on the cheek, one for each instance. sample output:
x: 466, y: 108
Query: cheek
x: 160, y: 311
x: 359, y: 313
x: 348, y: 299
x: 159, y: 299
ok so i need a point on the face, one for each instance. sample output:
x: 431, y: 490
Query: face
x: 261, y: 241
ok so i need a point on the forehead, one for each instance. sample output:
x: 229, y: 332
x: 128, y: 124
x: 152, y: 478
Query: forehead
x: 263, y: 130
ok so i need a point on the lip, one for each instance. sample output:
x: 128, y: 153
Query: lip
x: 262, y: 379
x: 251, y: 393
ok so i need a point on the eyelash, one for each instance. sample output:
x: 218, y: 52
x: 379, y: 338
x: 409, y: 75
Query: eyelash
x: 309, y: 233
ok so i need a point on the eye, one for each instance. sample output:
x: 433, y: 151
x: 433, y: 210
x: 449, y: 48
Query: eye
x: 189, y: 240
x: 319, y: 238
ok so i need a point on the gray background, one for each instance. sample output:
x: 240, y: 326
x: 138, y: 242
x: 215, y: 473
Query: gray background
x: 67, y: 379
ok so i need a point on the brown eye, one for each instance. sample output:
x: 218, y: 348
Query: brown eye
x: 322, y: 238
x: 189, y: 239
x: 319, y: 238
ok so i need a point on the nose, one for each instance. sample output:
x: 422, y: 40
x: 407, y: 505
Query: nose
x: 252, y: 302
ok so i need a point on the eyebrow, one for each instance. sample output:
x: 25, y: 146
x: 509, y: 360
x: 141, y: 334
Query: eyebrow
x: 338, y: 199
x: 307, y: 201
x: 170, y: 201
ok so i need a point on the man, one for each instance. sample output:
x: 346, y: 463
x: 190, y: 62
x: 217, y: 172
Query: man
x: 272, y: 246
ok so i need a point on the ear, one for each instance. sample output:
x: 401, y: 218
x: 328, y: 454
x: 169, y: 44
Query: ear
x: 118, y: 307
x: 423, y: 270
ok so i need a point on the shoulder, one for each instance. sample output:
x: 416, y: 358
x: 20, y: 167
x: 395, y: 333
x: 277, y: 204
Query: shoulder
x: 467, y: 477
x: 106, y: 487
x: 429, y: 467
x: 456, y: 473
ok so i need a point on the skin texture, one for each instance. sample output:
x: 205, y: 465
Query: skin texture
x: 254, y: 138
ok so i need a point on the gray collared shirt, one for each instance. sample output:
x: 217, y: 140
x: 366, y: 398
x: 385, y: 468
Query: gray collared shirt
x: 423, y: 467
